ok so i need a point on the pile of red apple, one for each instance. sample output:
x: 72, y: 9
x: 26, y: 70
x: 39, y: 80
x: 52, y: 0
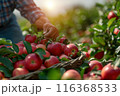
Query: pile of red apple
x: 108, y: 72
x: 55, y: 51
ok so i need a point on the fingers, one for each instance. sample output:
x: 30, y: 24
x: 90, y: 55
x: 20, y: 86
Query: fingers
x: 50, y: 32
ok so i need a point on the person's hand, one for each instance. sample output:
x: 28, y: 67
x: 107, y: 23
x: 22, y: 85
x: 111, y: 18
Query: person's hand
x: 50, y: 31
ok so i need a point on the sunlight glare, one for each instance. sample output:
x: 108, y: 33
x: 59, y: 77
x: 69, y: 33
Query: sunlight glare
x: 50, y: 5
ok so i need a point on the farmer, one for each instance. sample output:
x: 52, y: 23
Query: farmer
x: 9, y: 27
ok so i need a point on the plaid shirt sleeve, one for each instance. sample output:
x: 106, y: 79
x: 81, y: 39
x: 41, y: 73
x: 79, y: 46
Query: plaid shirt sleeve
x: 29, y: 10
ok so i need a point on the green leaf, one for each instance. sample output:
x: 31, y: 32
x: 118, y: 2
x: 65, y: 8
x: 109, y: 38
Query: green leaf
x: 82, y: 71
x: 99, y: 5
x: 64, y: 59
x: 110, y: 22
x: 92, y: 54
x: 94, y: 46
x: 14, y: 59
x: 118, y: 35
x: 3, y: 41
x: 98, y: 27
x: 118, y: 6
x: 6, y: 51
x: 24, y: 55
x: 99, y: 40
x: 6, y: 62
x: 6, y: 71
x: 58, y: 38
x: 27, y: 46
x: 40, y: 52
x: 91, y: 30
x: 118, y: 78
x: 16, y: 48
x: 85, y: 49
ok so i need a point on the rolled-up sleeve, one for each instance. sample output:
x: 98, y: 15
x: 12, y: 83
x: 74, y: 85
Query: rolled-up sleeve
x: 29, y: 10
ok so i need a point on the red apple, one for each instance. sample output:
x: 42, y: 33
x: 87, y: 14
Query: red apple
x: 92, y: 76
x: 95, y: 64
x: 34, y: 44
x: 43, y: 41
x: 19, y: 64
x: 33, y: 62
x: 71, y: 50
x: 20, y: 44
x: 55, y: 48
x: 21, y: 50
x: 29, y: 38
x: 1, y: 75
x: 49, y: 47
x: 99, y: 55
x: 51, y: 61
x: 112, y: 15
x: 19, y: 71
x: 63, y: 56
x: 47, y: 55
x: 63, y: 47
x: 62, y: 39
x: 109, y: 72
x: 116, y: 31
x: 87, y: 54
x: 71, y: 75
x: 41, y: 46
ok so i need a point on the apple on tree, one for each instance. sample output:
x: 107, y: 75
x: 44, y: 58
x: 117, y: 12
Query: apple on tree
x: 99, y: 55
x: 112, y: 15
x: 116, y: 31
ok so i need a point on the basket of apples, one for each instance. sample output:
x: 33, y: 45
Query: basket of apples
x: 26, y: 59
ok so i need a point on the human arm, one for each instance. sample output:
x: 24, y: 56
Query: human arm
x: 29, y: 10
